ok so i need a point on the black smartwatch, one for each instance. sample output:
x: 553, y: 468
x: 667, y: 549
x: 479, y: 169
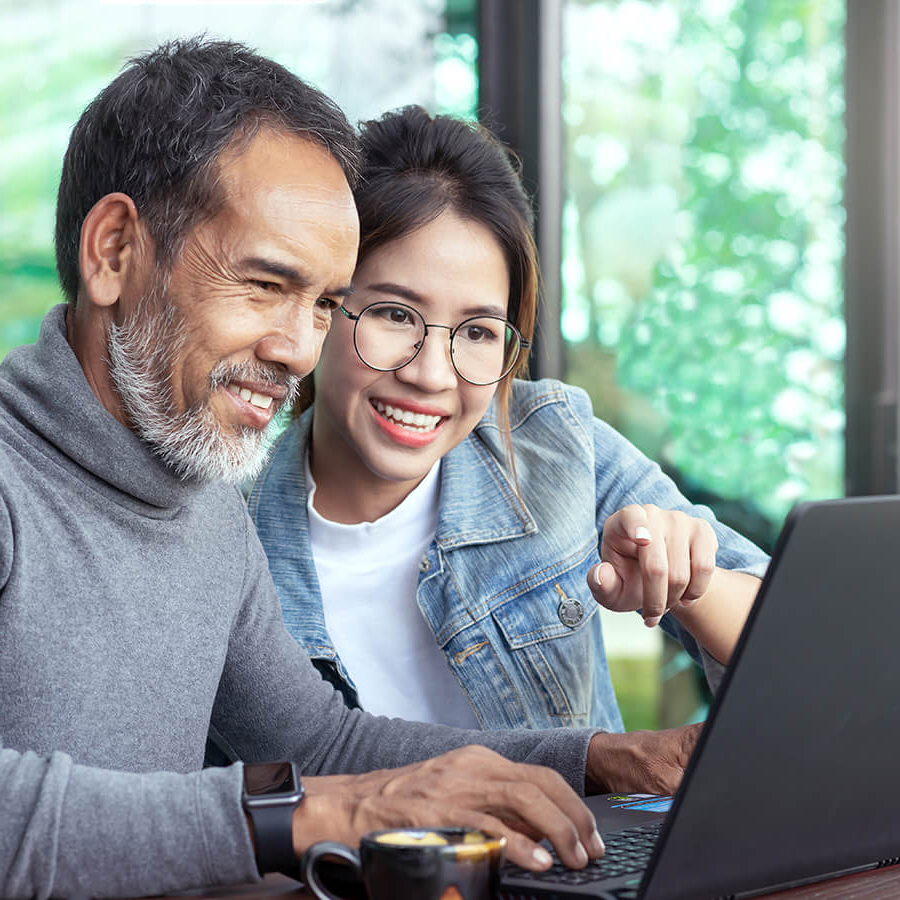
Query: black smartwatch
x: 272, y: 791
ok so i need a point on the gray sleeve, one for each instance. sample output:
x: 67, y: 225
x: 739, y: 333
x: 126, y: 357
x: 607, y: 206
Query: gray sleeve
x: 6, y: 545
x: 72, y: 831
x: 712, y: 669
x: 273, y: 704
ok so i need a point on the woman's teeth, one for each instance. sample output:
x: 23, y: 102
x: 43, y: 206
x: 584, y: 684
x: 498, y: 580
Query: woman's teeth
x: 263, y: 401
x: 411, y: 420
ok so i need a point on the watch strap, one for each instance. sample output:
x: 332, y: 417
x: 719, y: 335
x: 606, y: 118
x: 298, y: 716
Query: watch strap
x: 272, y: 818
x: 273, y: 835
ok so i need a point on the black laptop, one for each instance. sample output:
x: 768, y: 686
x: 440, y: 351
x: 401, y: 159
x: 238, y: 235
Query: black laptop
x: 796, y: 776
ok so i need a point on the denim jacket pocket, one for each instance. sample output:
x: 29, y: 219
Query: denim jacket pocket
x: 555, y: 642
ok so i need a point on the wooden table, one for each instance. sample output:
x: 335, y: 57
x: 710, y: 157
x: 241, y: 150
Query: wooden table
x: 876, y: 885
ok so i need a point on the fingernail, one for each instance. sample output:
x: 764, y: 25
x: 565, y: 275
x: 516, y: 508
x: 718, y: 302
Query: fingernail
x: 581, y: 853
x: 594, y: 575
x: 542, y: 857
x: 688, y: 601
x: 596, y: 844
x: 652, y: 622
x: 643, y: 534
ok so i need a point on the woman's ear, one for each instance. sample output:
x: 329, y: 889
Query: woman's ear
x: 109, y: 247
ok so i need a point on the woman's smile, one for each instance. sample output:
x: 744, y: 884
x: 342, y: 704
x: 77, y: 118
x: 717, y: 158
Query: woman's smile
x: 407, y: 425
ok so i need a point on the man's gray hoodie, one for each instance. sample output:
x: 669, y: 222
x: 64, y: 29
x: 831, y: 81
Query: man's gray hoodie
x: 137, y: 610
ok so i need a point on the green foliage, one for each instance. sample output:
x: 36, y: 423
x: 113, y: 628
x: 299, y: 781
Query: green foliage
x: 705, y: 234
x: 637, y: 684
x: 42, y: 94
x: 25, y: 300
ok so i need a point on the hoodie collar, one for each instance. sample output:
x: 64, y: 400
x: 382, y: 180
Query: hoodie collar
x: 479, y: 500
x: 44, y: 387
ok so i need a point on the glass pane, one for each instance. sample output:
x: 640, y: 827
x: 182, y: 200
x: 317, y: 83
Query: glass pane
x: 369, y: 55
x: 704, y: 241
x: 703, y: 248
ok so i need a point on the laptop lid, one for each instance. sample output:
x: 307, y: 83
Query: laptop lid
x: 794, y: 777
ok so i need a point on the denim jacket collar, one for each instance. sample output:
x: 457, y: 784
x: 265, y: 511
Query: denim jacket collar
x: 479, y: 503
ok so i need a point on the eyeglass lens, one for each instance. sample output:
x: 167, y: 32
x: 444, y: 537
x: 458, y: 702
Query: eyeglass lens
x: 483, y: 349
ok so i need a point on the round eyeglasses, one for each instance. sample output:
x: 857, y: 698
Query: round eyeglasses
x: 388, y: 336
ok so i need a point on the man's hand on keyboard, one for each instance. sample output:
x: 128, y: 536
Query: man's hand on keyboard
x: 471, y: 786
x: 649, y: 762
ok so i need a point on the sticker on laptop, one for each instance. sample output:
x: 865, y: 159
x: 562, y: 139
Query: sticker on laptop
x: 642, y: 802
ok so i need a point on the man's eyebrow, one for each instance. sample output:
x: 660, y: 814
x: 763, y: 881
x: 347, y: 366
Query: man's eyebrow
x: 272, y: 267
x: 405, y: 293
x: 288, y: 273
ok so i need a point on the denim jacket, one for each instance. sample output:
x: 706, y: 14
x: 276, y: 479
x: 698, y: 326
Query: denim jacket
x: 502, y: 585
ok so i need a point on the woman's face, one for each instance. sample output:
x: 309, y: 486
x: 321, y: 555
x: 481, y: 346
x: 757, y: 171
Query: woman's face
x: 365, y: 460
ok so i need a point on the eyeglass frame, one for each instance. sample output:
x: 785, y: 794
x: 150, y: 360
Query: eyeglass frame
x: 524, y: 344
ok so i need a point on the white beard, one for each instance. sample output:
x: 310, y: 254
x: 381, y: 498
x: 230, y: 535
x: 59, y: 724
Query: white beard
x: 193, y: 443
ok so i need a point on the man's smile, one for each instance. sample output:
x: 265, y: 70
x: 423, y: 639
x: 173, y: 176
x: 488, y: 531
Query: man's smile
x: 255, y: 400
x: 263, y: 401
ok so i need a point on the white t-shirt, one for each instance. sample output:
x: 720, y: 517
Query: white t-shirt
x: 368, y: 575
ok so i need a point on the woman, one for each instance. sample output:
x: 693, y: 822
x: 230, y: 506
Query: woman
x: 435, y: 525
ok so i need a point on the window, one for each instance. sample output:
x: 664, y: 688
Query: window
x: 369, y: 55
x: 703, y: 246
x: 703, y: 242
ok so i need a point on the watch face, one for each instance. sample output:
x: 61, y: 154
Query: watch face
x: 264, y: 779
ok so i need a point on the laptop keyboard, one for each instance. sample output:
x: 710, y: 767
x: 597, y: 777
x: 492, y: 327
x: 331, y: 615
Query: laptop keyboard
x: 627, y: 852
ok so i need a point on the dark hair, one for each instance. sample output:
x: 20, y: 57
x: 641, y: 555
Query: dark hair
x: 157, y: 131
x: 416, y: 166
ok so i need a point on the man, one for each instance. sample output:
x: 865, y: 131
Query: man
x: 205, y: 233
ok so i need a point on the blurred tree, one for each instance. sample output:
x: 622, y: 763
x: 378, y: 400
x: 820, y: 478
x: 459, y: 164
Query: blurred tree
x: 702, y: 282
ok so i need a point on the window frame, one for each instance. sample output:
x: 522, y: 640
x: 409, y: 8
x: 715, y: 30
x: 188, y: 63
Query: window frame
x: 520, y: 92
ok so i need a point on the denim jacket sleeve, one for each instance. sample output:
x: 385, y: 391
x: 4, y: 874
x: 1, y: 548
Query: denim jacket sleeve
x: 625, y: 476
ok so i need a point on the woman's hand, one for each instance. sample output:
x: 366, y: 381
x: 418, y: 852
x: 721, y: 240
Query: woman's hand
x: 659, y: 560
x: 653, y: 560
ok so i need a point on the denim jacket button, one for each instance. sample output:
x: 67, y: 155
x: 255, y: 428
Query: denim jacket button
x: 424, y: 565
x: 570, y: 611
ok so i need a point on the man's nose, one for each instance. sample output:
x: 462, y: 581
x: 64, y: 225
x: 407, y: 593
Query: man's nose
x: 294, y: 344
x: 432, y: 369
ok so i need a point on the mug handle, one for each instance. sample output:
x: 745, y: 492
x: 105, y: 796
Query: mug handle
x: 311, y: 858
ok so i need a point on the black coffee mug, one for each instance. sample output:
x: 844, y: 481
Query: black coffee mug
x: 424, y: 864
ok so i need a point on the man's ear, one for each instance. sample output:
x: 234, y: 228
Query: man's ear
x: 109, y: 247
